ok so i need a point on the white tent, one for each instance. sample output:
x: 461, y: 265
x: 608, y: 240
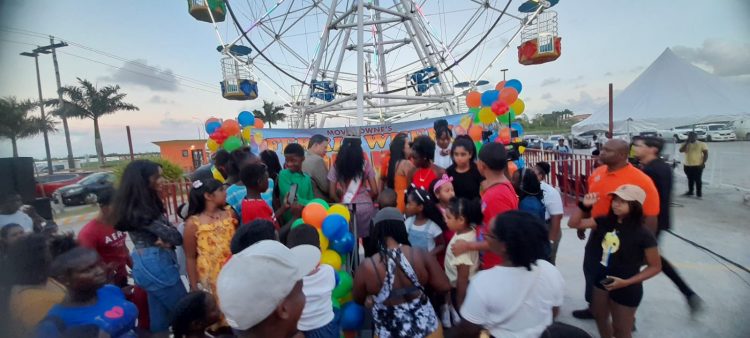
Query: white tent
x: 671, y: 92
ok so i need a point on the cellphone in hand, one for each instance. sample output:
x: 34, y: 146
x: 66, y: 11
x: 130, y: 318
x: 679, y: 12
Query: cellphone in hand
x: 291, y: 197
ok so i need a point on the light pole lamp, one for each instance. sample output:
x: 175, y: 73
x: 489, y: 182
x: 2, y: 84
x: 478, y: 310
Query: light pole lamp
x: 35, y: 55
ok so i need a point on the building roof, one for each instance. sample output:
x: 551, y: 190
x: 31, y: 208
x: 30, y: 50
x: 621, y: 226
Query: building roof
x: 178, y: 141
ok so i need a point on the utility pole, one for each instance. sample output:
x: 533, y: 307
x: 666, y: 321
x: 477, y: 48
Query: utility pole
x: 53, y: 46
x: 35, y: 55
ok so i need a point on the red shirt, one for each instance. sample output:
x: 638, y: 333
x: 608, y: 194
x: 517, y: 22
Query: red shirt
x: 423, y: 177
x: 253, y: 209
x: 110, y: 245
x: 496, y: 200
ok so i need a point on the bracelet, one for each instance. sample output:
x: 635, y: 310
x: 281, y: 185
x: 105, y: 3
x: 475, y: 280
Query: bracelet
x: 583, y: 207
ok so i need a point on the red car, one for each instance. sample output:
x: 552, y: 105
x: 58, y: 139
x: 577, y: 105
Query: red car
x: 47, y: 184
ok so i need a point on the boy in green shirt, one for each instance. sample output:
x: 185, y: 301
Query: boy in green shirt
x: 294, y: 155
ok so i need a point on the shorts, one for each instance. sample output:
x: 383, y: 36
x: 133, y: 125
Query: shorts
x: 628, y: 296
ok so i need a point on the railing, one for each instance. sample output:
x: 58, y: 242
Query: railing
x: 174, y: 194
x: 568, y: 172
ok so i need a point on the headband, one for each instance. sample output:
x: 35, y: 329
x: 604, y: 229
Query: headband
x: 442, y: 181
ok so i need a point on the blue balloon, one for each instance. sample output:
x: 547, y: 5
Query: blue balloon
x: 334, y: 227
x: 212, y: 126
x: 520, y: 163
x: 246, y: 118
x: 518, y: 127
x: 352, y: 316
x: 493, y: 136
x: 515, y: 84
x: 343, y: 245
x: 489, y: 97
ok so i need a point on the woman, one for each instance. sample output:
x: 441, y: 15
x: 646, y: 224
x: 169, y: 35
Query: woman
x: 397, y: 276
x: 529, y: 191
x: 273, y: 166
x: 532, y: 291
x: 139, y: 210
x: 423, y: 153
x: 400, y: 170
x: 464, y: 171
x: 352, y: 181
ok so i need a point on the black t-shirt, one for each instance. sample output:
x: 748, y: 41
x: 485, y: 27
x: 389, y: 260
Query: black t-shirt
x: 661, y: 173
x: 625, y: 248
x: 466, y: 185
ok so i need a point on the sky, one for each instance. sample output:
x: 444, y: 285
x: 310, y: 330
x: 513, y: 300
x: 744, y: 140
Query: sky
x: 603, y: 41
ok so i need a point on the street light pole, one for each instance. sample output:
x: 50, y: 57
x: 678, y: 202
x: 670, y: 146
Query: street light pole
x: 35, y: 55
x: 46, y: 50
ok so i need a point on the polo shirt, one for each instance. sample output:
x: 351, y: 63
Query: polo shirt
x: 605, y: 182
x: 694, y: 153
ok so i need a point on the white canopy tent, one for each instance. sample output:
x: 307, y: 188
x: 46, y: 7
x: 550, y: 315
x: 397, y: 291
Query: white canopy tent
x: 671, y: 92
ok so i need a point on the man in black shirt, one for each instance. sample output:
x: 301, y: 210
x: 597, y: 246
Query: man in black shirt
x: 647, y: 150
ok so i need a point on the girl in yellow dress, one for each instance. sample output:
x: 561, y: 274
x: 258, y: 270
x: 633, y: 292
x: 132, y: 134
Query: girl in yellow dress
x: 208, y: 232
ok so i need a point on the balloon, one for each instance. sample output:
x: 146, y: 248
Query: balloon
x: 324, y: 242
x: 486, y: 115
x: 475, y: 132
x: 520, y: 163
x: 344, y: 286
x: 258, y: 137
x: 340, y: 209
x: 331, y: 258
x: 246, y: 118
x: 514, y: 84
x: 336, y: 303
x: 474, y: 111
x: 231, y: 127
x: 258, y: 123
x: 247, y: 133
x: 489, y: 96
x: 508, y: 95
x: 504, y: 136
x: 499, y: 108
x: 232, y: 143
x: 314, y: 214
x: 212, y: 145
x: 346, y: 299
x: 297, y: 222
x: 321, y: 202
x: 478, y: 145
x: 352, y: 316
x: 518, y: 127
x: 521, y: 150
x: 518, y: 106
x: 335, y: 226
x: 473, y: 99
x: 459, y: 130
x: 465, y: 123
x: 212, y: 119
x: 500, y: 85
x: 212, y: 126
x: 493, y: 136
x: 218, y: 136
x: 512, y: 168
x: 476, y: 117
x: 343, y: 245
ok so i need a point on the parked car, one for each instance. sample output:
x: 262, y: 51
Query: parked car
x: 554, y: 138
x: 741, y: 128
x: 47, y: 184
x: 86, y: 191
x: 718, y: 132
x: 540, y: 144
x: 679, y: 134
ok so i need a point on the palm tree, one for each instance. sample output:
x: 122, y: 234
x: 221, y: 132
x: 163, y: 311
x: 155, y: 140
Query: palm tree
x: 271, y: 113
x: 87, y: 101
x: 16, y: 123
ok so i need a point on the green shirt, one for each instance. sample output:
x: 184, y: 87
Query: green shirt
x: 304, y: 189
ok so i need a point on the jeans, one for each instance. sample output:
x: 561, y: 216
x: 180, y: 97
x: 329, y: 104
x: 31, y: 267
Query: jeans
x: 695, y: 178
x: 330, y: 330
x: 155, y: 270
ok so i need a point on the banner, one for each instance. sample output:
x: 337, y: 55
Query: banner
x: 376, y: 139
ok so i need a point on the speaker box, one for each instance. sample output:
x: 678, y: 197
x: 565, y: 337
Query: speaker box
x: 17, y: 176
x: 43, y: 207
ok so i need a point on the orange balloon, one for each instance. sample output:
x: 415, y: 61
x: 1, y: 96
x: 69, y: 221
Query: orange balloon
x: 258, y: 123
x: 512, y: 168
x: 314, y: 214
x: 474, y: 99
x: 475, y: 132
x: 508, y: 95
x: 500, y: 85
x: 504, y: 136
x: 231, y: 127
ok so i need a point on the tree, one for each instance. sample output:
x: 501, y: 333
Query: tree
x: 271, y: 113
x: 16, y: 123
x: 87, y: 101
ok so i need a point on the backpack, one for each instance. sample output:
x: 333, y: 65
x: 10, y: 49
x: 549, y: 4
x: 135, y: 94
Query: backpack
x: 534, y: 206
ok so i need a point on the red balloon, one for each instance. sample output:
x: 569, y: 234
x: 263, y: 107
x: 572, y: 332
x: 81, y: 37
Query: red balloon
x: 499, y: 108
x: 231, y: 127
x: 508, y: 95
x: 503, y: 136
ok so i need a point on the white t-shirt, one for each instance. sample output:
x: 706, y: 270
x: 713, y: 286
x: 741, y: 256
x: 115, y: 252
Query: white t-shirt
x: 552, y: 201
x: 514, y: 310
x: 468, y: 258
x: 317, y: 288
x: 442, y: 161
x: 19, y: 217
x: 432, y: 229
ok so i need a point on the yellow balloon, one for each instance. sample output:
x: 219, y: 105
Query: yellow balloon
x: 258, y: 137
x: 346, y: 299
x: 246, y: 133
x: 466, y: 122
x: 323, y: 241
x: 518, y: 107
x: 486, y: 115
x: 212, y: 145
x: 331, y: 258
x: 340, y: 209
x: 521, y: 150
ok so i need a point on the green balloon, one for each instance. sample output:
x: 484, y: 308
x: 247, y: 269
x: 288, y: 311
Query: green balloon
x: 478, y: 144
x: 344, y: 286
x: 297, y: 223
x: 321, y: 202
x: 232, y: 143
x: 336, y: 303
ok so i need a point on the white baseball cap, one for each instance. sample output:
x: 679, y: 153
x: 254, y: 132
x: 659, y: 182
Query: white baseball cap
x: 255, y: 281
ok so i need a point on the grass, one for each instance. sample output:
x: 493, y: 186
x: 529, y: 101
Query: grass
x: 107, y: 165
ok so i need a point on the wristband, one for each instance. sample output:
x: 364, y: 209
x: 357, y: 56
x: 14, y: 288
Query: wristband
x: 583, y: 207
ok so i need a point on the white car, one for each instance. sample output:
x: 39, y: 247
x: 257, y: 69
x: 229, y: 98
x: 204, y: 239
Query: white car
x: 718, y: 132
x: 741, y: 128
x: 680, y: 133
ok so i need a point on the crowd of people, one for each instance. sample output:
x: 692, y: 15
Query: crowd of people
x: 454, y: 242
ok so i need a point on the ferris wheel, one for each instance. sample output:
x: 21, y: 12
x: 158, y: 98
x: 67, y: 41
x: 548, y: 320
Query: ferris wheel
x: 370, y: 61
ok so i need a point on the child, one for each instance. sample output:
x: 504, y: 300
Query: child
x: 625, y: 245
x: 317, y: 319
x: 442, y: 192
x: 255, y: 178
x: 208, y: 232
x: 387, y: 198
x: 424, y: 222
x: 466, y: 176
x: 294, y: 155
x: 443, y: 136
x: 461, y: 216
x: 194, y: 313
x: 423, y: 153
x: 251, y: 233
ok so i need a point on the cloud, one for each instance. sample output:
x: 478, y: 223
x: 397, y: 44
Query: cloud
x: 725, y: 58
x: 583, y: 104
x: 550, y: 81
x: 546, y: 96
x: 138, y: 72
x: 160, y: 100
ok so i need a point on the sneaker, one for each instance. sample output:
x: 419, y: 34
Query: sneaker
x: 689, y: 193
x: 696, y: 304
x: 583, y: 314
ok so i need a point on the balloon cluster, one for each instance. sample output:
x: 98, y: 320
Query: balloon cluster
x: 232, y: 134
x: 336, y: 241
x: 500, y: 104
